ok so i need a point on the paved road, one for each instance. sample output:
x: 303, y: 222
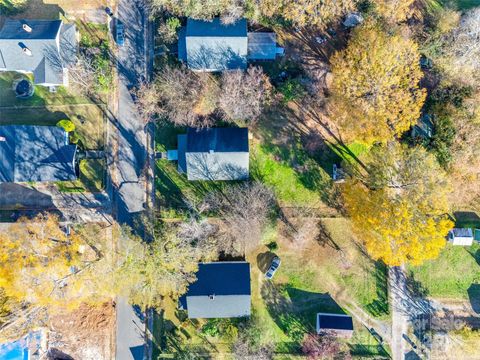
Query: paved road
x: 398, y: 299
x: 129, y: 191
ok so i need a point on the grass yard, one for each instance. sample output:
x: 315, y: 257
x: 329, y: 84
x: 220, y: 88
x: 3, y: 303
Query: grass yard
x: 41, y: 97
x: 91, y: 177
x: 454, y: 274
x: 310, y: 280
x: 89, y: 120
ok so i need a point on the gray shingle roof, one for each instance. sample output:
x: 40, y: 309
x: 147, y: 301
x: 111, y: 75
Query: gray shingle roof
x: 35, y: 153
x: 222, y: 290
x: 48, y: 57
x: 462, y: 232
x: 213, y: 46
x: 262, y: 45
x: 215, y: 154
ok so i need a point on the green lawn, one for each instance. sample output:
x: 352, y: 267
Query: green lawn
x: 41, y: 97
x: 452, y: 274
x: 91, y: 177
x: 284, y: 310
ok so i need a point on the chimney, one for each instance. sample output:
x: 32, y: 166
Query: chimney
x: 27, y: 51
x: 211, y: 297
x: 26, y: 28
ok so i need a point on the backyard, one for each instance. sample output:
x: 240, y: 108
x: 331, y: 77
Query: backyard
x: 283, y: 310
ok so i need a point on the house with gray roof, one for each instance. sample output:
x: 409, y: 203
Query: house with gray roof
x: 461, y: 236
x: 214, y: 46
x: 44, y: 48
x: 214, y: 154
x: 36, y: 153
x: 222, y: 290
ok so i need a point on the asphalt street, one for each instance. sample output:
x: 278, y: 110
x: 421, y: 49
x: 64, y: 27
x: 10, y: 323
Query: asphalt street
x: 129, y: 190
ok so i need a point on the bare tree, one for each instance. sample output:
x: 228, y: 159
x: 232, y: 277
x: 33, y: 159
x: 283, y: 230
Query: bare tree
x: 320, y: 346
x: 243, y: 349
x: 180, y: 93
x: 146, y: 101
x: 245, y: 209
x: 244, y: 95
x: 82, y: 75
x: 462, y: 49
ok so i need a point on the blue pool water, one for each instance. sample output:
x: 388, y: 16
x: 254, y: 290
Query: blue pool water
x: 20, y: 349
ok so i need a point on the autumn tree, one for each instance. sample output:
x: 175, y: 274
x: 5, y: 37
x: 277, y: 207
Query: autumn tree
x: 459, y: 54
x: 244, y: 95
x: 375, y: 92
x: 149, y: 272
x: 395, y: 11
x: 12, y: 7
x: 245, y: 209
x: 398, y: 205
x: 146, y: 101
x: 315, y: 13
x: 40, y: 264
x: 185, y: 98
x: 323, y: 346
x: 203, y: 10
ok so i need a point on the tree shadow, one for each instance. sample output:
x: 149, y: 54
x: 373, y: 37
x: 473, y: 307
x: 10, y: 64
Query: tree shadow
x: 264, y: 260
x: 465, y: 219
x: 475, y: 255
x: 294, y: 310
x: 379, y: 306
x: 55, y: 354
x: 474, y: 296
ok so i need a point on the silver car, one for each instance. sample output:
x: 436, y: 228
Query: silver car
x: 273, y: 267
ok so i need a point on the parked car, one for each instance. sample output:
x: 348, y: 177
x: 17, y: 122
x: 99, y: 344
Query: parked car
x: 273, y: 267
x: 109, y: 11
x: 120, y: 35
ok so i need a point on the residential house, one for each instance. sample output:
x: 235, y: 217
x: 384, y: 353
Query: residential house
x: 222, y: 290
x: 214, y: 154
x: 44, y: 48
x: 36, y: 153
x: 460, y: 236
x: 335, y: 324
x: 214, y: 46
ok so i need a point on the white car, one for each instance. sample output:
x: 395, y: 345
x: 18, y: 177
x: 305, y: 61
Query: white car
x: 273, y: 267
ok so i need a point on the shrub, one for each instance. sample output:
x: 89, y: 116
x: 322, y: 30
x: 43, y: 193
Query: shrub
x: 74, y: 138
x: 168, y: 30
x: 12, y: 7
x: 291, y: 90
x: 66, y: 125
x: 272, y: 246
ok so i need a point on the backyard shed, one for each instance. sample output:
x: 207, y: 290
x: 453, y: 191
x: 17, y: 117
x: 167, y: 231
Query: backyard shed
x: 336, y: 324
x: 31, y: 153
x: 222, y: 290
x: 461, y: 236
x: 214, y: 154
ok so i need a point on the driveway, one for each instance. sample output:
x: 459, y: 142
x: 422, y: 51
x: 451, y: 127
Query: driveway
x: 129, y: 159
x: 23, y: 199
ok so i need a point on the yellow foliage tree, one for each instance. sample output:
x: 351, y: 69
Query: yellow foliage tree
x: 317, y: 13
x: 40, y: 264
x: 375, y: 92
x: 399, y: 207
x: 395, y: 11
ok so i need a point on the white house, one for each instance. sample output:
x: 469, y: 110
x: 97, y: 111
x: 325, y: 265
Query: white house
x: 458, y: 236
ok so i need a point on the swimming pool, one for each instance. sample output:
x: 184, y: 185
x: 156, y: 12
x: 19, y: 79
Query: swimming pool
x: 22, y: 349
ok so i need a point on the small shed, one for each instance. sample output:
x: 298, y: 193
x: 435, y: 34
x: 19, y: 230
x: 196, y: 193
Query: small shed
x: 461, y: 236
x: 336, y: 324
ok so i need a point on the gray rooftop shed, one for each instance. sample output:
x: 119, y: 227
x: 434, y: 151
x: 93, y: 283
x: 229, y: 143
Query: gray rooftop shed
x: 214, y: 46
x: 214, y: 154
x: 222, y: 290
x: 45, y: 48
x: 35, y: 153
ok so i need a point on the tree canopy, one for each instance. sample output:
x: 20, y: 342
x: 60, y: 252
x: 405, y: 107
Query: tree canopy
x: 398, y: 208
x: 375, y: 93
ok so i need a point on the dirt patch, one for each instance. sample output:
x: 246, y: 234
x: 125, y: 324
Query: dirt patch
x: 86, y: 333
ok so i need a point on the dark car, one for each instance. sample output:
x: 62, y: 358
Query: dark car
x: 273, y: 267
x: 109, y: 11
x: 120, y: 37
